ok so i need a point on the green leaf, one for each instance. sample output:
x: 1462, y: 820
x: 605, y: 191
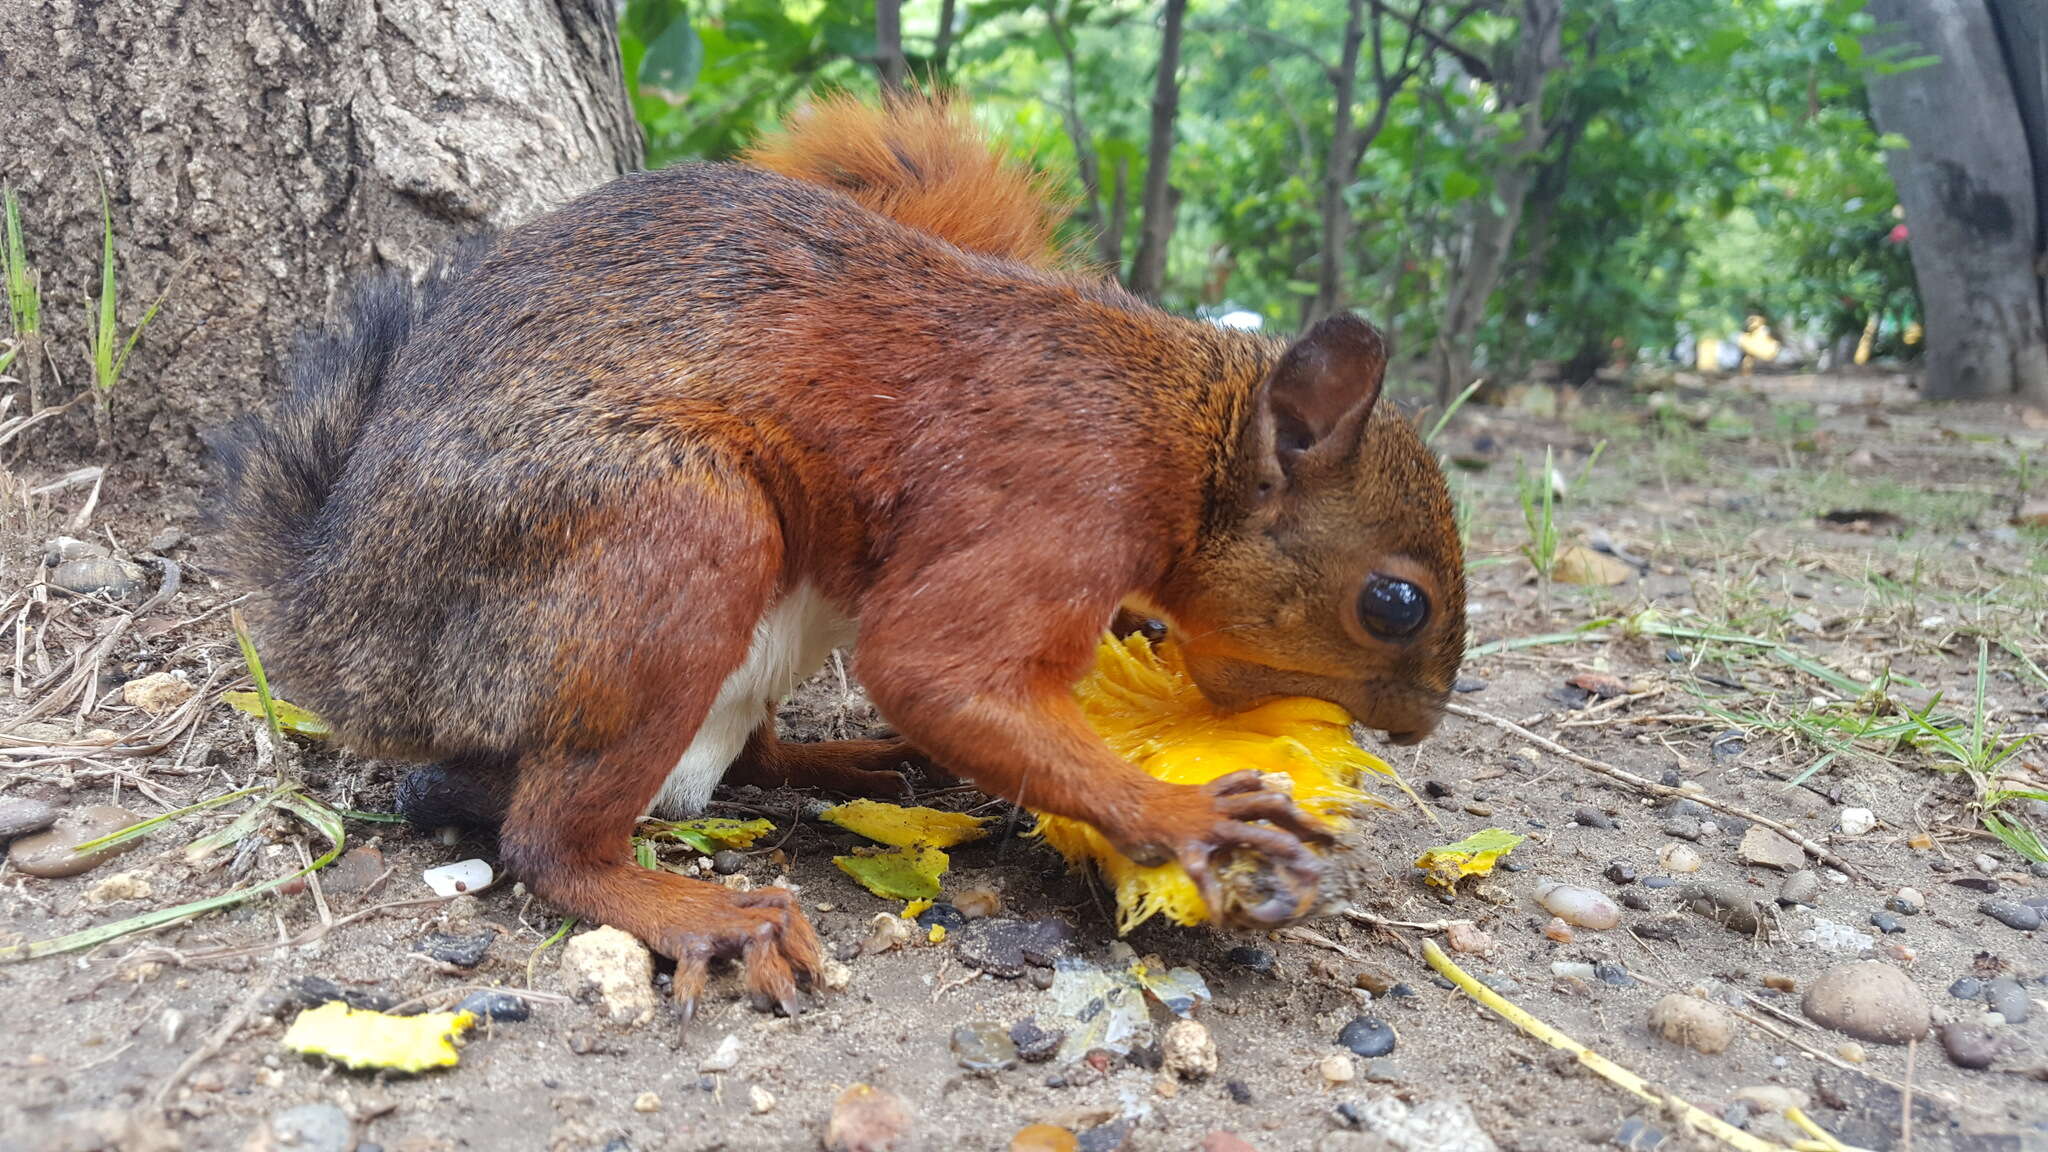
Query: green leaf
x: 897, y: 873
x: 709, y: 834
x: 289, y: 717
x: 1460, y: 185
x: 673, y: 59
x: 1892, y: 141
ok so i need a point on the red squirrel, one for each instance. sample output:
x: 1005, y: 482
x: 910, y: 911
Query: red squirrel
x: 571, y: 516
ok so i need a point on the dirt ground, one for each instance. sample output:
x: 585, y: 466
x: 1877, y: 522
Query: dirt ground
x: 170, y: 1038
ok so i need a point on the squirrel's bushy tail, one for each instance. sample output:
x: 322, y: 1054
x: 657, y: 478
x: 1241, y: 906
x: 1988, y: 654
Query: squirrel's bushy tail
x: 278, y: 468
x: 920, y: 160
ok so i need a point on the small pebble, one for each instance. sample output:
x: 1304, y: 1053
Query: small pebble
x: 1856, y: 821
x: 1467, y: 937
x: 1800, y: 888
x: 620, y: 969
x: 1225, y: 1142
x: 1637, y: 1135
x: 1871, y: 1001
x: 97, y: 574
x: 50, y: 854
x: 1766, y: 848
x: 1658, y: 881
x: 1678, y: 859
x: 1907, y: 901
x: 869, y: 1119
x: 1259, y: 960
x: 1614, y: 974
x: 1581, y: 907
x: 157, y: 693
x: 1683, y: 827
x: 1698, y: 1024
x: 1853, y: 1052
x: 1635, y: 898
x: 1337, y: 1068
x: 979, y: 903
x: 984, y: 1049
x: 459, y: 877
x: 1468, y: 684
x: 1986, y: 864
x: 1034, y: 1044
x: 311, y: 1128
x: 1778, y: 981
x: 726, y: 862
x: 20, y: 816
x: 1984, y: 884
x: 2008, y: 999
x: 1967, y: 988
x: 760, y: 1100
x: 1886, y: 922
x: 1558, y: 930
x: 1620, y: 872
x: 723, y: 1058
x: 460, y: 951
x: 1240, y: 1092
x: 646, y: 1102
x: 1187, y: 1051
x: 1729, y: 905
x: 1967, y: 1045
x: 1592, y: 818
x: 488, y: 1005
x: 2012, y: 914
x: 1368, y: 1036
x: 1572, y: 970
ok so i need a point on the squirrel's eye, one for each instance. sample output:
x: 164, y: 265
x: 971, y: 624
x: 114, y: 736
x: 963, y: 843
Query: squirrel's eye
x: 1391, y: 608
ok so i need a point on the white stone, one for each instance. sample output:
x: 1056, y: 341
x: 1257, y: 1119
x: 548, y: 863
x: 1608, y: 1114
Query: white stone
x: 1857, y: 821
x: 459, y: 877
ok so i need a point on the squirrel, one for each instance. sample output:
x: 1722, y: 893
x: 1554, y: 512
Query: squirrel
x: 571, y: 515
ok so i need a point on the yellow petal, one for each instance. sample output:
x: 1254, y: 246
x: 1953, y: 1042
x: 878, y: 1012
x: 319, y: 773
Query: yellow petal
x: 360, y: 1038
x: 901, y: 827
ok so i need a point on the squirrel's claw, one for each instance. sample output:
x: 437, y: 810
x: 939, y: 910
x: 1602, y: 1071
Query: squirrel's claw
x: 774, y: 943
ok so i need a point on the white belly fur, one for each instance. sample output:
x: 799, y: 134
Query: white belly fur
x: 791, y: 641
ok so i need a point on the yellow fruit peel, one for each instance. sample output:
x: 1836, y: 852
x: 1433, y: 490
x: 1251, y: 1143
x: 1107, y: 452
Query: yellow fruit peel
x: 1140, y: 700
x: 1475, y: 855
x: 910, y: 873
x: 901, y: 827
x: 360, y: 1038
x: 708, y: 834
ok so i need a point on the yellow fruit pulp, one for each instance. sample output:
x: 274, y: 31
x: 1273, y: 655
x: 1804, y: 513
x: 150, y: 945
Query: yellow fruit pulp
x: 1141, y: 702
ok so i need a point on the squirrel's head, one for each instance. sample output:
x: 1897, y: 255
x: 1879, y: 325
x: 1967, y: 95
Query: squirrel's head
x: 1329, y: 565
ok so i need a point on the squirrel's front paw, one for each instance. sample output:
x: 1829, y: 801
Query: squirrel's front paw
x: 1257, y: 875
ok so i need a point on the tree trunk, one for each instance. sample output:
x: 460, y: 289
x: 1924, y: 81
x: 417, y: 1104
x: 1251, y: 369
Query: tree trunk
x: 2022, y: 27
x: 1148, y: 268
x: 890, y: 66
x: 1536, y: 53
x: 276, y: 150
x: 1972, y: 210
x: 1338, y: 169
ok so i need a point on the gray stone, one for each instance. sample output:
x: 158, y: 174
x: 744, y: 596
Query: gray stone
x: 2012, y: 914
x: 2008, y: 999
x: 984, y: 1049
x: 313, y: 1128
x: 1969, y: 1046
x: 20, y: 816
x: 50, y: 854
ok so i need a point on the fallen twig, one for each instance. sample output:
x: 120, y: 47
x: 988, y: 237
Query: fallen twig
x: 1812, y: 848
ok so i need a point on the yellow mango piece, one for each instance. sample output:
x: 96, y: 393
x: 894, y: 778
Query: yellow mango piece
x: 1141, y: 702
x: 1475, y: 855
x: 901, y: 827
x: 915, y: 908
x: 360, y: 1038
x: 910, y: 873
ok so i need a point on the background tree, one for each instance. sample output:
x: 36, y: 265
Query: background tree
x: 274, y: 152
x: 1148, y: 269
x: 1970, y: 186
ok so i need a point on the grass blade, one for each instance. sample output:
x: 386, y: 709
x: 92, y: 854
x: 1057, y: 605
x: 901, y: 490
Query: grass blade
x: 255, y: 664
x: 153, y: 823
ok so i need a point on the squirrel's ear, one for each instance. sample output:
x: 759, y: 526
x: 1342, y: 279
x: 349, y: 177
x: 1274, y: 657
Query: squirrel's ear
x: 1322, y: 390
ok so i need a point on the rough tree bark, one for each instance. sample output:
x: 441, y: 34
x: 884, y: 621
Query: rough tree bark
x: 1535, y: 53
x: 277, y: 149
x: 1968, y: 186
x: 1155, y: 232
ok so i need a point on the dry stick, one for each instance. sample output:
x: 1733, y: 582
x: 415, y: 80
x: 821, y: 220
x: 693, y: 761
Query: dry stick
x: 1906, y: 1098
x: 1812, y: 848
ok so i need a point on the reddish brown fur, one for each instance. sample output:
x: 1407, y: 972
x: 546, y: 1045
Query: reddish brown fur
x: 543, y: 533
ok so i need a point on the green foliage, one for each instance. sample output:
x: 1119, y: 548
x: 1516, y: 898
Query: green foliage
x: 103, y: 327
